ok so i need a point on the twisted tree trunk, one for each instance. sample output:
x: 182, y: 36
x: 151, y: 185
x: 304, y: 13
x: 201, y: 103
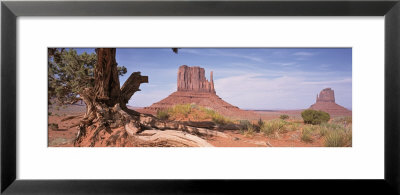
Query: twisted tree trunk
x: 108, y: 122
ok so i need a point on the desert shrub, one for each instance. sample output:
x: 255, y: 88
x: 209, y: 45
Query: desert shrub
x: 183, y: 109
x: 335, y: 139
x: 246, y: 128
x: 219, y: 119
x: 215, y: 116
x: 274, y: 126
x: 336, y: 135
x: 292, y: 127
x: 53, y: 126
x: 250, y: 130
x: 315, y: 117
x: 208, y: 111
x: 349, y: 136
x: 162, y: 114
x: 306, y: 134
x: 267, y: 129
x: 323, y: 130
x: 284, y: 116
x: 260, y: 123
x: 243, y: 124
x: 49, y: 113
x: 346, y: 120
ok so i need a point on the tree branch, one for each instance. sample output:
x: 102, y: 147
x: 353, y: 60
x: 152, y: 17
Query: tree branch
x: 131, y: 86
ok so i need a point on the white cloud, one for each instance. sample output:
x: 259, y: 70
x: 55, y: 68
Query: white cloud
x: 345, y: 80
x: 284, y: 63
x: 257, y: 91
x: 216, y: 52
x: 151, y: 94
x: 304, y: 54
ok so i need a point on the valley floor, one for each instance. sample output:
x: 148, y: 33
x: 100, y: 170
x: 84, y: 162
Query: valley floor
x: 63, y: 135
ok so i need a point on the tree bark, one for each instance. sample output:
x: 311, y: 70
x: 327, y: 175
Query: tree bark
x: 107, y: 88
x: 108, y: 122
x: 131, y: 86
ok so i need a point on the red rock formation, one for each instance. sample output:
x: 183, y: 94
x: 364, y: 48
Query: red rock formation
x: 326, y: 95
x: 194, y: 88
x: 326, y: 102
x: 193, y: 79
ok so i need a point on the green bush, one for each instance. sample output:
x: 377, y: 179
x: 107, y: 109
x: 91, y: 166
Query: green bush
x: 346, y: 120
x: 292, y: 127
x: 323, y: 130
x: 284, y: 116
x: 260, y: 123
x: 243, y: 125
x: 274, y: 126
x: 250, y: 130
x: 183, y: 109
x: 335, y: 139
x: 306, y: 134
x: 219, y: 119
x: 162, y: 114
x: 315, y: 117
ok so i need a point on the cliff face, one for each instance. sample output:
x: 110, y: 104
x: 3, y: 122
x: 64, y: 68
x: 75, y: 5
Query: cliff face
x: 193, y: 79
x: 194, y: 88
x: 326, y: 95
x: 326, y: 102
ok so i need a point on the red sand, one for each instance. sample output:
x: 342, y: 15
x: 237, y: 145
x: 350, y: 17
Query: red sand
x: 64, y: 136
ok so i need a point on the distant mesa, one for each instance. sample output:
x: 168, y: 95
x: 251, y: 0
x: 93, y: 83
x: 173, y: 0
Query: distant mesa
x: 194, y: 88
x: 194, y: 79
x: 326, y: 102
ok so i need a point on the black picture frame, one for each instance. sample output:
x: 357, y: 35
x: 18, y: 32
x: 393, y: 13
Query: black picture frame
x: 10, y: 10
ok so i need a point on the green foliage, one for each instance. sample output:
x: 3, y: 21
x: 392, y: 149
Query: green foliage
x: 243, y: 125
x: 260, y: 122
x: 315, y: 117
x: 259, y: 125
x: 250, y: 130
x: 219, y: 119
x: 346, y: 120
x: 274, y: 126
x: 215, y: 116
x: 306, y: 134
x: 335, y: 139
x: 162, y: 114
x: 69, y: 73
x: 284, y: 116
x: 197, y: 112
x: 336, y: 135
x: 182, y: 109
x: 292, y: 127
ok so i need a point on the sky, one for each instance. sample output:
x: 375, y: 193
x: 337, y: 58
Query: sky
x: 250, y: 78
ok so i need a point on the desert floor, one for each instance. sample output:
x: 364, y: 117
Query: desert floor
x: 64, y: 134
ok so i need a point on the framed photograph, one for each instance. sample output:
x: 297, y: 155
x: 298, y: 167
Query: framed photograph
x: 171, y: 96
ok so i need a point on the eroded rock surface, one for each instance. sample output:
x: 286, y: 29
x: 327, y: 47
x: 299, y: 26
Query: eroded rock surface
x: 194, y: 88
x: 326, y: 102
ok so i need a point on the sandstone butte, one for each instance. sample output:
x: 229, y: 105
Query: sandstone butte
x: 194, y: 88
x: 326, y: 102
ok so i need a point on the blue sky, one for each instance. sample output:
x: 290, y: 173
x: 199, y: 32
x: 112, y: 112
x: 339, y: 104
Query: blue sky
x: 250, y: 78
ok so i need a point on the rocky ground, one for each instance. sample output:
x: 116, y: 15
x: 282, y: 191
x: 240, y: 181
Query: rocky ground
x: 63, y: 135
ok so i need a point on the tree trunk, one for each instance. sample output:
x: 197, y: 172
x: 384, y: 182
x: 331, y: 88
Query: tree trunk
x: 108, y: 122
x: 107, y: 88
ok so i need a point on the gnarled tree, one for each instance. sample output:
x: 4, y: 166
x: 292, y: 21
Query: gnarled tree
x: 107, y: 120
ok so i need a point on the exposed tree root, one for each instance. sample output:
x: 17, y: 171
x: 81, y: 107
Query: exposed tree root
x: 177, y: 138
x: 123, y: 127
x: 71, y: 117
